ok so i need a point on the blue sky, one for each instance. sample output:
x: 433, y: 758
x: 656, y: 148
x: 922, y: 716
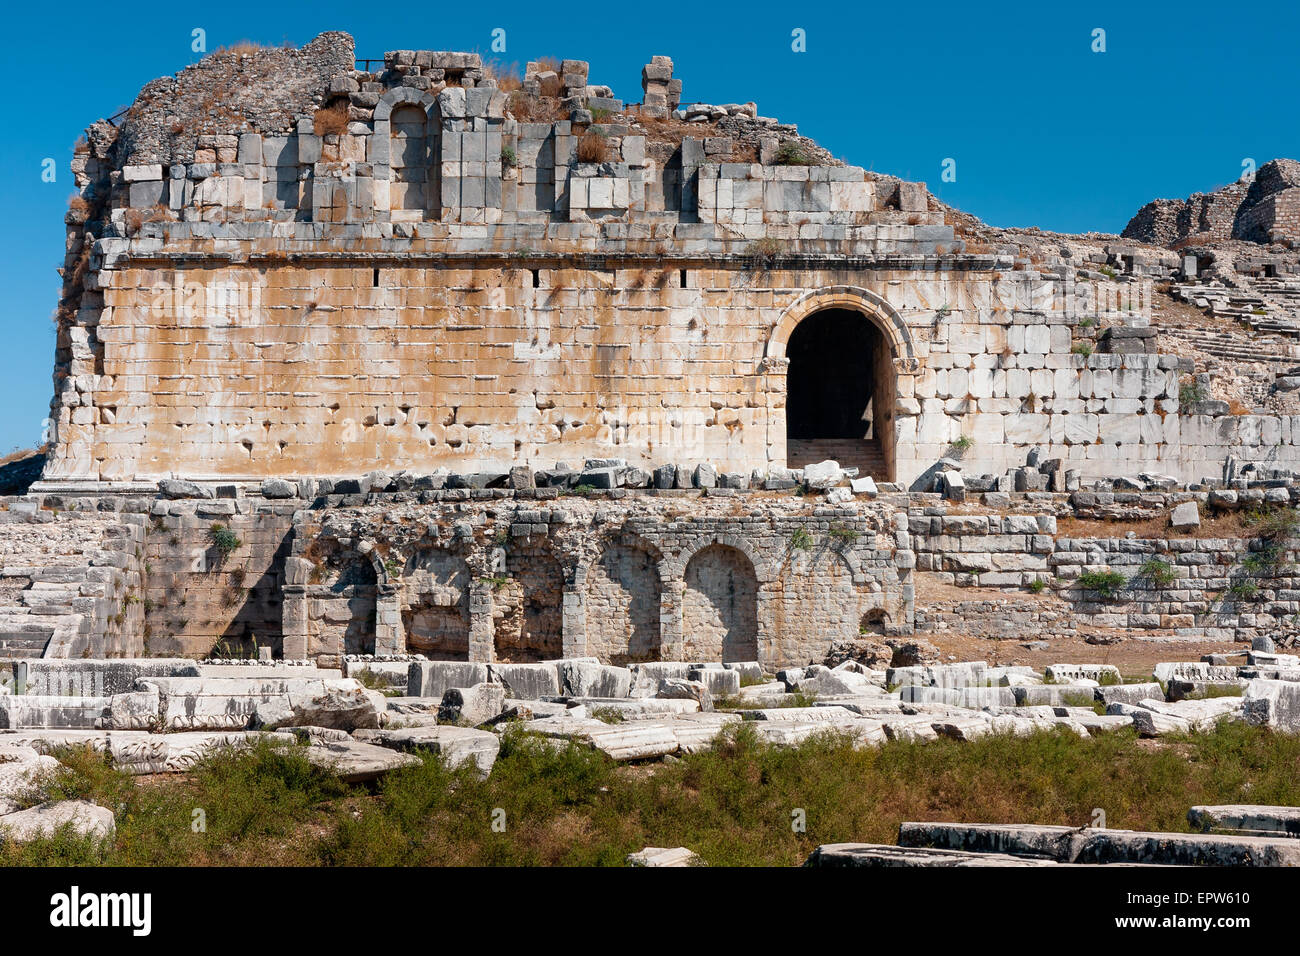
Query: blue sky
x: 1043, y: 130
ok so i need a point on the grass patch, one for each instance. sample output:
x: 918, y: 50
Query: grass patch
x: 570, y: 805
x: 842, y: 535
x: 372, y: 681
x: 792, y: 153
x: 1267, y: 561
x: 1158, y: 572
x: 1189, y: 393
x: 1078, y: 698
x: 608, y: 715
x: 1105, y: 584
x: 1210, y: 691
x: 1273, y: 523
x: 224, y: 541
x: 1243, y: 591
x: 961, y: 445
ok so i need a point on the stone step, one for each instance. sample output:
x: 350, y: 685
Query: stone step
x: 24, y: 645
x: 1095, y: 845
x: 879, y: 855
x: 864, y: 454
x: 1247, y: 819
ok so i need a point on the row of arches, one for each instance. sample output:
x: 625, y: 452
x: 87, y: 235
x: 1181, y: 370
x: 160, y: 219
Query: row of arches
x: 628, y: 604
x: 632, y: 604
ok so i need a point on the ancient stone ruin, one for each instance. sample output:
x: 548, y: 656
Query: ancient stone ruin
x: 529, y: 402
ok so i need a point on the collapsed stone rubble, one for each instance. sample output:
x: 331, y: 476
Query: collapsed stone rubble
x: 152, y: 723
x: 643, y: 710
x: 1268, y: 842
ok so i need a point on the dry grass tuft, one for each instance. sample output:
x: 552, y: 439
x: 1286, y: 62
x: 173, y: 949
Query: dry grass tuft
x: 78, y: 210
x: 332, y: 119
x: 533, y: 109
x: 550, y: 87
x: 593, y: 147
x: 242, y: 48
x: 507, y: 75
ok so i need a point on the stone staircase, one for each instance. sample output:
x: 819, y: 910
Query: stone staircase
x: 1266, y: 305
x: 16, y: 643
x: 864, y: 454
x: 1238, y: 348
x: 64, y: 579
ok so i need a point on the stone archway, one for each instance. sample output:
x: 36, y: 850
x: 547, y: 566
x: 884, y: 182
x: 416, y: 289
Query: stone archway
x: 405, y: 148
x: 720, y: 606
x: 341, y: 604
x: 434, y: 604
x: 622, y: 598
x: 528, y: 606
x: 836, y: 358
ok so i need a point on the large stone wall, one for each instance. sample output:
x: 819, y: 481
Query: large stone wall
x: 201, y: 601
x: 482, y: 367
x: 1180, y: 584
x: 416, y: 272
x: 638, y: 579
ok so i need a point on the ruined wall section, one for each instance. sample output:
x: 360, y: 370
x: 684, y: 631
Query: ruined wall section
x: 1264, y: 208
x: 201, y: 600
x: 1183, y: 584
x: 410, y: 275
x: 1270, y: 211
x: 559, y: 577
x: 1201, y: 216
x: 71, y: 579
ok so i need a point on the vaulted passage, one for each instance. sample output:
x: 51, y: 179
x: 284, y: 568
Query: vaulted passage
x: 342, y: 605
x: 435, y: 605
x: 840, y: 393
x: 720, y: 606
x: 528, y: 606
x: 622, y: 602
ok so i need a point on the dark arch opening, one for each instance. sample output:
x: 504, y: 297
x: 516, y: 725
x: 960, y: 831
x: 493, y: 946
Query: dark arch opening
x: 840, y: 393
x: 831, y: 377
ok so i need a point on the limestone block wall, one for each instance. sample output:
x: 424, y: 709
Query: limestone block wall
x: 393, y: 270
x: 1275, y: 218
x: 325, y: 367
x: 1222, y: 588
x: 636, y: 580
x: 748, y: 197
x: 273, y: 368
x: 199, y: 601
x: 989, y: 550
x: 71, y: 579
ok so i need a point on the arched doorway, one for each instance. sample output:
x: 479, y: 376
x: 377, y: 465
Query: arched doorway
x: 623, y: 597
x: 720, y: 606
x: 840, y: 393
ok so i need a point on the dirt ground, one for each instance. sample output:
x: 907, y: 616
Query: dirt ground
x: 1133, y: 656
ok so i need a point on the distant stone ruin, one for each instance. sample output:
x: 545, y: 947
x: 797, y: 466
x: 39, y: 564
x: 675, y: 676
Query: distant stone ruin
x: 1263, y: 209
